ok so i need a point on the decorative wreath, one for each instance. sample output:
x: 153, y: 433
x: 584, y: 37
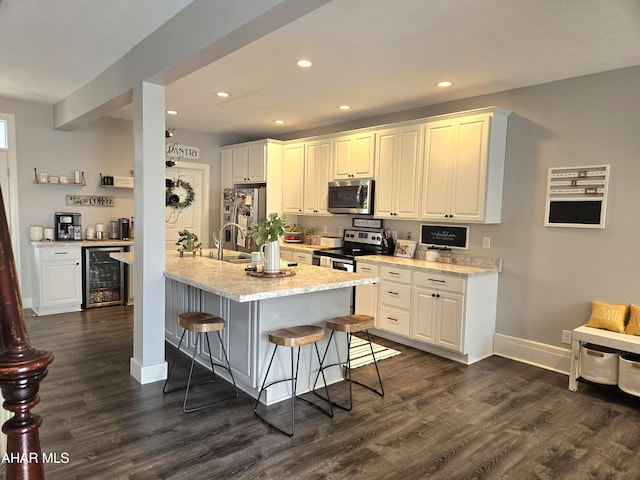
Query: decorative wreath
x: 176, y: 200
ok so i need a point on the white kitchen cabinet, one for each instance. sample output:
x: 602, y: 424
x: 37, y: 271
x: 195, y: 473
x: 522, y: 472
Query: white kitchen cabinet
x: 249, y: 163
x: 438, y: 313
x: 226, y: 169
x: 450, y: 315
x: 394, y: 300
x: 58, y: 280
x: 317, y: 173
x: 354, y: 156
x: 398, y: 163
x: 293, y: 178
x: 463, y: 167
x: 366, y: 301
x: 305, y: 258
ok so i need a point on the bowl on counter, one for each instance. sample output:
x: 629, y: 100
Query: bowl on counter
x: 293, y: 237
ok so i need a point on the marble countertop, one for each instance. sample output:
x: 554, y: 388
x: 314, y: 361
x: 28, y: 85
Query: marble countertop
x: 83, y: 243
x: 423, y: 265
x: 230, y: 280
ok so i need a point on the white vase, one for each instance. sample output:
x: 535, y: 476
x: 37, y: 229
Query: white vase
x: 270, y: 252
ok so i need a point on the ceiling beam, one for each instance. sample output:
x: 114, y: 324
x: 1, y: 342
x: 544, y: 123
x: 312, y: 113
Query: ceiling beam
x: 198, y: 35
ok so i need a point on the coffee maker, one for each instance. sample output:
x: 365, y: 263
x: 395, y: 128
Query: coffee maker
x: 68, y: 226
x: 124, y: 228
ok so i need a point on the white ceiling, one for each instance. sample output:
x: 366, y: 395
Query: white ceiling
x: 376, y: 55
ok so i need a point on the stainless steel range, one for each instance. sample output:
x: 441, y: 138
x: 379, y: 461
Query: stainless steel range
x: 355, y: 242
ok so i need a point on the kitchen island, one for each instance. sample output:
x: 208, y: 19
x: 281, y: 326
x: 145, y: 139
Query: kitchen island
x: 252, y: 307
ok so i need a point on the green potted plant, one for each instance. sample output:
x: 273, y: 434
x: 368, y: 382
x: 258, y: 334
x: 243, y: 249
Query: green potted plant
x: 267, y: 233
x: 189, y: 242
x: 269, y: 229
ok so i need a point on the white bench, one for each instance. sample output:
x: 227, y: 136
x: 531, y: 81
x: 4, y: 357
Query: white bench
x: 597, y: 336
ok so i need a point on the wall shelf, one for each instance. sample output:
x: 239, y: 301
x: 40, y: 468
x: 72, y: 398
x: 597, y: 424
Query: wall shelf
x: 69, y: 184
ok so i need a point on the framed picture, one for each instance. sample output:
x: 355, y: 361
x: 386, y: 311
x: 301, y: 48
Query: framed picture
x: 405, y: 248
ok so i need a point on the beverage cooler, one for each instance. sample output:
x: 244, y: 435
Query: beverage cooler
x: 102, y: 277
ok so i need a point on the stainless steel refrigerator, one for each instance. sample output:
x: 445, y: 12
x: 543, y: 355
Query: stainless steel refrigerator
x: 245, y: 205
x: 103, y: 278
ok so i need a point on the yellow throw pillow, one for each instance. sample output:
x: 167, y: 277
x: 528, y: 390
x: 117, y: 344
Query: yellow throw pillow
x: 633, y: 327
x: 609, y: 317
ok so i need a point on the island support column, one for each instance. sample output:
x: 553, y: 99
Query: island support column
x: 148, y: 363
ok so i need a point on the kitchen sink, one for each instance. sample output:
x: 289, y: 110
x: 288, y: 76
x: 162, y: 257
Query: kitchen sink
x: 237, y: 258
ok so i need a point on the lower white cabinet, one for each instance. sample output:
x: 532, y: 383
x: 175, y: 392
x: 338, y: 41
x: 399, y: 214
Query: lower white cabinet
x: 293, y: 255
x: 394, y: 300
x: 366, y: 300
x: 450, y: 315
x: 438, y: 312
x: 57, y: 280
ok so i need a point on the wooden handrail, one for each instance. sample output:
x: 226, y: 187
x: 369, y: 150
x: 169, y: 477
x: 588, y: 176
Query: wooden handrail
x: 21, y: 369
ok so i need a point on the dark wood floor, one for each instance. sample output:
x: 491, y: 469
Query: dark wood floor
x: 496, y: 419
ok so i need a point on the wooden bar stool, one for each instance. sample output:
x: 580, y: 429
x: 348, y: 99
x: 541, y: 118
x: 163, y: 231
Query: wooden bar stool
x: 201, y: 323
x: 293, y: 337
x: 349, y: 324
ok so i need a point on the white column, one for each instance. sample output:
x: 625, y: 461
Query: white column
x: 148, y: 364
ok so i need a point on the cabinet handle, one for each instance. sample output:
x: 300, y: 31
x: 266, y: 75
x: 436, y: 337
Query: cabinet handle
x: 60, y: 253
x: 436, y: 280
x: 394, y: 273
x: 435, y: 295
x: 392, y: 293
x: 392, y: 319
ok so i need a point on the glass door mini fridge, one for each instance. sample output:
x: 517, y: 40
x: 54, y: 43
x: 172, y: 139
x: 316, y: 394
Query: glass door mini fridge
x: 103, y: 278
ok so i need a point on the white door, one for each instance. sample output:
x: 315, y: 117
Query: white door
x: 194, y: 217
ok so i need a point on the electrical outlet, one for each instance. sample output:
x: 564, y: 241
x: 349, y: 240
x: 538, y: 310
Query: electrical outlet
x: 486, y: 242
x: 566, y: 336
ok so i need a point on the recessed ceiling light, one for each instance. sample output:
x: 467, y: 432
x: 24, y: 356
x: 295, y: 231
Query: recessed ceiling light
x: 444, y: 84
x: 278, y: 122
x: 344, y: 107
x: 222, y: 94
x: 171, y: 112
x: 304, y: 63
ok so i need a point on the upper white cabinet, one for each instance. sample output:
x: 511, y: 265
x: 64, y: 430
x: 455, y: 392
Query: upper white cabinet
x: 463, y: 167
x: 317, y: 173
x: 354, y: 156
x: 398, y: 162
x: 293, y: 178
x: 249, y: 162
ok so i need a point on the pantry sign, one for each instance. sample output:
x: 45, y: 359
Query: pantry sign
x: 186, y: 152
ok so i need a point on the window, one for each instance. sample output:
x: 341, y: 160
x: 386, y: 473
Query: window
x: 3, y: 134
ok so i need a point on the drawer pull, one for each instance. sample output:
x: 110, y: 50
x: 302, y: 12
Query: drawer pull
x: 436, y: 280
x: 394, y: 273
x: 595, y: 353
x: 60, y: 253
x: 392, y: 293
x: 392, y: 319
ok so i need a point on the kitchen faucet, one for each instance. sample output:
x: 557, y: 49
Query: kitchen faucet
x: 218, y: 240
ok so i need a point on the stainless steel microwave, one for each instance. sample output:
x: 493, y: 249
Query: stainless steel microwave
x: 351, y: 196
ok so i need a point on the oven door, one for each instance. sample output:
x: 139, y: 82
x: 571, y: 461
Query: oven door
x: 341, y: 264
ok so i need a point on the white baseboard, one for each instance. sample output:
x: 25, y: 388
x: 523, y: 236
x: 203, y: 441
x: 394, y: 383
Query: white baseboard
x: 534, y: 353
x: 149, y: 373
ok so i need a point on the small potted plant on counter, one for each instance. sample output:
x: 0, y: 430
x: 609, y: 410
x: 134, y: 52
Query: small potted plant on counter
x: 189, y: 243
x: 267, y: 233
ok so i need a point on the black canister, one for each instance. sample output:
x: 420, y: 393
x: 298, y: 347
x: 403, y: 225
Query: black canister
x: 124, y: 228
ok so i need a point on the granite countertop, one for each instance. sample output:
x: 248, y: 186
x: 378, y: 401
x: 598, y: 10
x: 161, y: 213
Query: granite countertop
x: 83, y: 243
x: 230, y: 280
x: 304, y: 247
x: 435, y: 267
